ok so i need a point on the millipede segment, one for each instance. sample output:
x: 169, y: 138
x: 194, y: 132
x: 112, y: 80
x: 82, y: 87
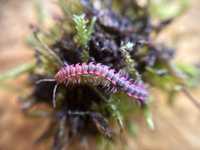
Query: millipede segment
x: 98, y: 74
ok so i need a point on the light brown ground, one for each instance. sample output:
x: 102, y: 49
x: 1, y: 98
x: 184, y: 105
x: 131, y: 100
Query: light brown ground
x: 176, y: 128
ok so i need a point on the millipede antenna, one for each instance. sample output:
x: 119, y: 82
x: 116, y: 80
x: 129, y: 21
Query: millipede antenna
x: 45, y: 80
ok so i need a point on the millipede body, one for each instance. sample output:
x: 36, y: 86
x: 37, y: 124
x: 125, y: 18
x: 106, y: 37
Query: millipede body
x: 104, y: 75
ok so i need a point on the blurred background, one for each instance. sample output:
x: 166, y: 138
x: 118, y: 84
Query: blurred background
x: 176, y: 127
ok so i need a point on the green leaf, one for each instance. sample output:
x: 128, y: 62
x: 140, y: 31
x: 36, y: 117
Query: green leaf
x: 41, y: 13
x: 192, y: 74
x: 83, y: 30
x: 132, y: 129
x: 148, y: 118
x: 17, y: 71
x: 165, y: 9
x: 83, y: 33
x: 70, y: 7
x: 130, y: 63
x: 116, y: 113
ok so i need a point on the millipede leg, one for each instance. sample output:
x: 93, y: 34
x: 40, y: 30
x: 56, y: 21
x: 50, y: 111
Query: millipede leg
x: 54, y: 95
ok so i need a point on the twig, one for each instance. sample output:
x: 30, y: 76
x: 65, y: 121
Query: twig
x: 191, y: 98
x: 18, y: 70
x: 51, y: 52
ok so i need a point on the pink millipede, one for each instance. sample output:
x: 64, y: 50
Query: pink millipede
x: 99, y: 75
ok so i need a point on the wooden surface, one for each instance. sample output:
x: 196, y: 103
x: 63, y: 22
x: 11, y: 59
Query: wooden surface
x: 177, y: 127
